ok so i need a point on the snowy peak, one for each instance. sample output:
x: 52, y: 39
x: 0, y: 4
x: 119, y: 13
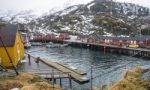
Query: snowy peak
x: 99, y: 16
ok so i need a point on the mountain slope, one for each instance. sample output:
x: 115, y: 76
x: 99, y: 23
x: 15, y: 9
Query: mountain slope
x: 99, y: 16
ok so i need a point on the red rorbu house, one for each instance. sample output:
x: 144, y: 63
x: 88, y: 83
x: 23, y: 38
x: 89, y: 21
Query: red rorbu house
x: 38, y: 37
x: 126, y: 41
x: 63, y: 36
x: 99, y: 39
x: 147, y: 42
x: 91, y: 39
x: 119, y: 41
x: 34, y: 37
x: 142, y: 41
x: 49, y: 37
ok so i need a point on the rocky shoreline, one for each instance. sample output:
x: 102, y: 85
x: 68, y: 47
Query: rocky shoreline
x: 133, y: 80
x: 26, y: 81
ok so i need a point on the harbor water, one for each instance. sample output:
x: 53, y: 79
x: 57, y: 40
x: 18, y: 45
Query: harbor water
x: 106, y: 68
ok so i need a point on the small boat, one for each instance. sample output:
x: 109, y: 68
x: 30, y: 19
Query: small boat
x: 134, y: 46
x: 56, y: 45
x: 53, y: 45
x: 27, y: 45
x: 36, y: 44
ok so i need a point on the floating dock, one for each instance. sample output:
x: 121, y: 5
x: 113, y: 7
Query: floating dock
x: 66, y: 71
x: 53, y: 75
x: 71, y: 68
x: 78, y: 76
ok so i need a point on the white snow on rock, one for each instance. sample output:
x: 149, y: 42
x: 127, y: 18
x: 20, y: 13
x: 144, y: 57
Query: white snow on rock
x: 65, y: 28
x: 90, y: 5
x: 67, y: 11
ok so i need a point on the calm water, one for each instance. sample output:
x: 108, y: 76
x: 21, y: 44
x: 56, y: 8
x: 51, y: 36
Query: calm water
x: 107, y: 68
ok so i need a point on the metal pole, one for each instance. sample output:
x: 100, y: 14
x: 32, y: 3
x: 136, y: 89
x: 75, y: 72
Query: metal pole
x: 11, y: 61
x: 91, y: 77
x: 60, y: 80
x: 70, y: 81
x: 53, y: 78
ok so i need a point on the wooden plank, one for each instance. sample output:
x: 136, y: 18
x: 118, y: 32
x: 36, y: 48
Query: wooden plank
x: 56, y: 75
x: 74, y: 70
x: 53, y: 77
x: 74, y: 75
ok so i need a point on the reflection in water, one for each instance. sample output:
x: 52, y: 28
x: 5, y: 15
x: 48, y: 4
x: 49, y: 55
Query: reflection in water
x: 107, y: 68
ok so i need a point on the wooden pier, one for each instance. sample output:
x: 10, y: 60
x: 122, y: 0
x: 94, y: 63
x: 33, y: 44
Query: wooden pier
x: 134, y: 52
x: 52, y: 75
x: 76, y: 70
x: 65, y: 71
x: 104, y: 47
x: 75, y: 74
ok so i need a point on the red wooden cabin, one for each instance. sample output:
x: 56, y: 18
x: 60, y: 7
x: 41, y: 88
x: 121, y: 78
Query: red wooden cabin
x: 91, y: 40
x: 63, y: 36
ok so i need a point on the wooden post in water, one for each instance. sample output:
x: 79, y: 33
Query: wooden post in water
x: 70, y: 83
x: 104, y: 49
x: 29, y: 57
x: 53, y: 78
x: 91, y: 77
x: 60, y: 80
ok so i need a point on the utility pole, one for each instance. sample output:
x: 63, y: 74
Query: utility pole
x: 10, y: 59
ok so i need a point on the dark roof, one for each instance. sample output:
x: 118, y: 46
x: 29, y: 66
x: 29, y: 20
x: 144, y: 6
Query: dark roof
x: 8, y: 35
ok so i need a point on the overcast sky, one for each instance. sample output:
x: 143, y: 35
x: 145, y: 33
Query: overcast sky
x: 46, y: 5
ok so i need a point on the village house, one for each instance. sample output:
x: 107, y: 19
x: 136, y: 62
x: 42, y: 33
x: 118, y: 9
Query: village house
x: 137, y: 41
x: 13, y: 43
x: 49, y: 37
x: 63, y: 36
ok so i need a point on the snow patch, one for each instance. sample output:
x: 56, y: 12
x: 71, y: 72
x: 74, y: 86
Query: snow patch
x: 65, y: 12
x: 92, y: 4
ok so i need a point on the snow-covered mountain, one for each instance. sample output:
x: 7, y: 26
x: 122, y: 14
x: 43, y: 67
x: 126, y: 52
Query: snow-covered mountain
x: 22, y: 17
x: 99, y: 16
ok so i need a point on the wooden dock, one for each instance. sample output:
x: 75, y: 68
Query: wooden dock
x: 52, y: 75
x: 75, y: 74
x: 134, y: 52
x: 74, y: 70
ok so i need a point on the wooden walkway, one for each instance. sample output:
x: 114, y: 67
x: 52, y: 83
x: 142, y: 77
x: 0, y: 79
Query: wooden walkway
x: 74, y: 70
x: 78, y: 76
x: 52, y: 75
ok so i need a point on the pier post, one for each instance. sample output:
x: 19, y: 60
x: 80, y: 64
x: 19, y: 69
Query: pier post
x: 60, y: 83
x: 54, y: 81
x: 104, y: 49
x: 91, y: 77
x: 53, y: 78
x: 29, y: 57
x: 38, y: 59
x: 60, y: 80
x: 70, y: 83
